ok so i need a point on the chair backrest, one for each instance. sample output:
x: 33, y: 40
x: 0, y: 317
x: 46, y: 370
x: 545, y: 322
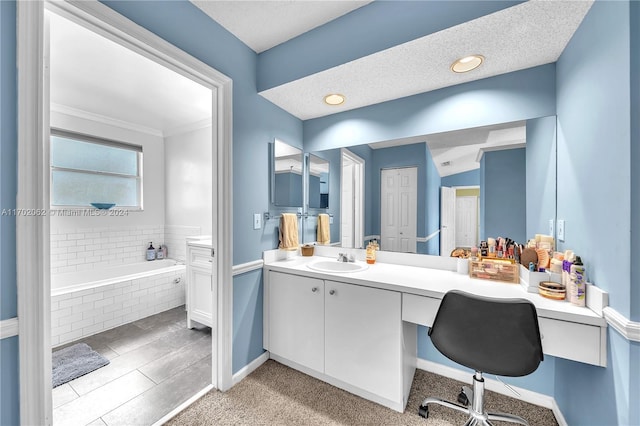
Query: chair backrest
x: 495, y: 336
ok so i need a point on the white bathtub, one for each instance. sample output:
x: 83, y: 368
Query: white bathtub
x: 88, y: 302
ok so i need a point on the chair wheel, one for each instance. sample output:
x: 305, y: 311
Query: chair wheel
x: 423, y: 411
x: 463, y: 398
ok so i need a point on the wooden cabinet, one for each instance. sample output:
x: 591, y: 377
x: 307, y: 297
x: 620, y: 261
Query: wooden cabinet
x: 199, y: 286
x: 348, y: 335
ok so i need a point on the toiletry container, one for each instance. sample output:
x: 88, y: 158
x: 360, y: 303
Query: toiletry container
x: 151, y: 252
x: 159, y: 253
x: 577, y: 283
x: 165, y: 251
x: 371, y: 254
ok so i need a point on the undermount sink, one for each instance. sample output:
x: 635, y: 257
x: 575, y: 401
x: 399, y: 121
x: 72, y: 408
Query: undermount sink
x: 335, y: 266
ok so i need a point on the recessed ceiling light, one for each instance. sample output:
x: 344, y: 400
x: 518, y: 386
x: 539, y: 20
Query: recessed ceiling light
x: 334, y: 99
x: 467, y: 63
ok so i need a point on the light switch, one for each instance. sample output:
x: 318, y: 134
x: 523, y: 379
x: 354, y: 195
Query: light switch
x: 257, y: 221
x: 560, y: 230
x: 551, y: 227
x: 330, y: 219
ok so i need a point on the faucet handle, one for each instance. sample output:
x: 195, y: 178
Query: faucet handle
x: 352, y: 258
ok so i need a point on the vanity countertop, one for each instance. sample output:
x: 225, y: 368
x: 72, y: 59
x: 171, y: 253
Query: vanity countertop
x: 435, y: 283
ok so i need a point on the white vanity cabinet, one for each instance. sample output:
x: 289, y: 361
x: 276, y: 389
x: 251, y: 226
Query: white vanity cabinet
x: 199, y: 284
x: 296, y: 319
x: 363, y: 337
x: 348, y: 335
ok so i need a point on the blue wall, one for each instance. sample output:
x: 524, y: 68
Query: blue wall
x: 9, y: 389
x: 520, y: 95
x: 594, y: 189
x: 504, y: 192
x: 468, y: 178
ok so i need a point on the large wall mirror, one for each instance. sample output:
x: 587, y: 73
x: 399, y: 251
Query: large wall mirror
x: 431, y: 193
x: 286, y: 175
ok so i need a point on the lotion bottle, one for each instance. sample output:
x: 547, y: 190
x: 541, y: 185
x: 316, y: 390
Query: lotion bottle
x: 371, y: 254
x: 151, y: 252
x: 577, y: 283
x: 160, y: 253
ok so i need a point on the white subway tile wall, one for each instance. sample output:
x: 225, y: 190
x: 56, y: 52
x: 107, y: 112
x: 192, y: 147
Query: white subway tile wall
x: 86, y: 312
x: 92, y: 248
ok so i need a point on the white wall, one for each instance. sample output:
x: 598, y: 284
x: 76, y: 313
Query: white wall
x: 84, y: 242
x: 188, y: 183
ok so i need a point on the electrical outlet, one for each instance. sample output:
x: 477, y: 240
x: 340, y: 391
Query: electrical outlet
x: 257, y: 221
x: 560, y: 230
x: 551, y: 227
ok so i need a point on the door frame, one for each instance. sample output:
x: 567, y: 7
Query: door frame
x: 358, y: 225
x: 32, y: 232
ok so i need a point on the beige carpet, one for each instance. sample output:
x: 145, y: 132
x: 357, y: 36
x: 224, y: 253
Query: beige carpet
x: 278, y: 395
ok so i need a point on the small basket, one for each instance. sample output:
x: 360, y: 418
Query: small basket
x: 307, y: 250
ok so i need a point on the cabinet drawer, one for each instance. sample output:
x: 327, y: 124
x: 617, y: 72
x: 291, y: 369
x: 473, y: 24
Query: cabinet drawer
x: 578, y: 342
x: 200, y: 257
x: 419, y: 309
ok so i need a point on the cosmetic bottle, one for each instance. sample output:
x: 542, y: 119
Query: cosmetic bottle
x: 577, y: 283
x: 160, y: 253
x: 371, y: 254
x: 151, y: 252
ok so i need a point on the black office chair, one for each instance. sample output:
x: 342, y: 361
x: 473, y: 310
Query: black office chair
x: 494, y: 336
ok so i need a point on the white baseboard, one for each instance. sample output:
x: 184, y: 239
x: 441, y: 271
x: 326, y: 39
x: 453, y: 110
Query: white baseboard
x: 249, y: 368
x: 531, y: 397
x: 559, y: 417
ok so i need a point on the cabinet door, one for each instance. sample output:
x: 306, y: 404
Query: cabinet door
x: 296, y: 319
x: 363, y: 338
x: 200, y: 306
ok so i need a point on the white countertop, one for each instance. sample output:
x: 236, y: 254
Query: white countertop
x: 435, y: 283
x: 200, y: 243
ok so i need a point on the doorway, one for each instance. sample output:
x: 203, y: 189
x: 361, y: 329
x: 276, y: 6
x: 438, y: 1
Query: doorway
x: 33, y: 247
x: 399, y: 209
x: 352, y: 200
x: 459, y: 218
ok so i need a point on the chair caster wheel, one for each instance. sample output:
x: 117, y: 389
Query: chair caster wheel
x: 463, y: 399
x: 423, y: 411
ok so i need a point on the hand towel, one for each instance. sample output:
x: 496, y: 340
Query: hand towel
x: 288, y: 232
x: 323, y: 229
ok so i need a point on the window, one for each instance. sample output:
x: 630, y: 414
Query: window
x: 86, y: 170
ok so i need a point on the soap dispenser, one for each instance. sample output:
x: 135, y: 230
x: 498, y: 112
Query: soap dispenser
x: 160, y: 252
x: 151, y: 252
x: 371, y: 254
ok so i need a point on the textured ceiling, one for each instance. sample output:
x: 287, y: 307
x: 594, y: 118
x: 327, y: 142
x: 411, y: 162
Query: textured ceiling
x: 523, y: 36
x: 262, y: 25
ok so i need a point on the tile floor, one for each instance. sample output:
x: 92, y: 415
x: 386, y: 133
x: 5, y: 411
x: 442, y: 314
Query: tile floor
x: 156, y: 363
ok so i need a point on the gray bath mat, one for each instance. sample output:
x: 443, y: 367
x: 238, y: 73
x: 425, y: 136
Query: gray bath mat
x: 75, y: 361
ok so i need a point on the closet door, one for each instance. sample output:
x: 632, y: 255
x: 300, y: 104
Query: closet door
x: 399, y: 209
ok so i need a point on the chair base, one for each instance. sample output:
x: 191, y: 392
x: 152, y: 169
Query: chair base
x: 475, y: 409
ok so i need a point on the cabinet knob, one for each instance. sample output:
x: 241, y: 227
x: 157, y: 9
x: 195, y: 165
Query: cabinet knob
x: 314, y: 289
x: 332, y: 292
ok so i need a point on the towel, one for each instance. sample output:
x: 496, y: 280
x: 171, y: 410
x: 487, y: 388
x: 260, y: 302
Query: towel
x: 288, y: 232
x: 323, y: 229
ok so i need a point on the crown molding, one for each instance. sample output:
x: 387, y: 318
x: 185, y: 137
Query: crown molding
x: 75, y: 112
x: 189, y: 127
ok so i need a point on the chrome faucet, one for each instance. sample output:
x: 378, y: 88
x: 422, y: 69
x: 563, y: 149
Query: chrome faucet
x: 344, y: 257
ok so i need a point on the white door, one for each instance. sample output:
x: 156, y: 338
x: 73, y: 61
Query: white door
x: 346, y: 205
x: 363, y: 334
x: 352, y: 200
x: 447, y: 220
x: 466, y: 221
x: 296, y: 319
x: 399, y: 209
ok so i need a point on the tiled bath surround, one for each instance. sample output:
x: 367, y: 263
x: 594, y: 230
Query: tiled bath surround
x: 83, y: 313
x: 91, y: 248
